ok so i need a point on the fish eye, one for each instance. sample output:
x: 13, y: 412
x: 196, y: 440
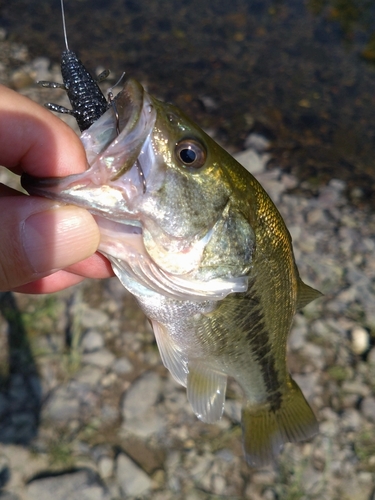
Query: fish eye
x: 191, y: 153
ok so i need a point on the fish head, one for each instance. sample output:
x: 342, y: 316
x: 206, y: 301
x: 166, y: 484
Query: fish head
x: 166, y: 198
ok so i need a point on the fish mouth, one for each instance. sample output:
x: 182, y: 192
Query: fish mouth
x: 122, y: 178
x: 116, y: 176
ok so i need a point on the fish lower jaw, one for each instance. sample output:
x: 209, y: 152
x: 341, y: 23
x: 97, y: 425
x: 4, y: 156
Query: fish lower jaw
x: 118, y: 240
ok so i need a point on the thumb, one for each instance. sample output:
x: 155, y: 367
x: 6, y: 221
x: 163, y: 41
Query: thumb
x: 39, y: 237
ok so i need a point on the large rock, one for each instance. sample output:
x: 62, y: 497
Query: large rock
x: 82, y: 484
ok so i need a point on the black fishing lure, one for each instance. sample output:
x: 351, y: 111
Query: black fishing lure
x: 87, y: 100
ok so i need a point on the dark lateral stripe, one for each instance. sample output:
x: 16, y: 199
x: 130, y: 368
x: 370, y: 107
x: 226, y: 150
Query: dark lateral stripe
x: 258, y: 339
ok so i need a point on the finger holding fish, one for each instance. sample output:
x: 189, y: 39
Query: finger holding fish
x: 32, y: 140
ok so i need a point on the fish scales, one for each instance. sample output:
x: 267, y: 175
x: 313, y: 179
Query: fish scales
x: 208, y: 256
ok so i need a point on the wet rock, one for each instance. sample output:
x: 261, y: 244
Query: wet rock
x: 133, y: 481
x: 80, y: 485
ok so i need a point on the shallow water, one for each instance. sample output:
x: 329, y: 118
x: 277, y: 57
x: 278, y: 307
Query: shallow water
x: 302, y: 73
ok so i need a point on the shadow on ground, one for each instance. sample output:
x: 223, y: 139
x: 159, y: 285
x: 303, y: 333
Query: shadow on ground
x: 20, y: 388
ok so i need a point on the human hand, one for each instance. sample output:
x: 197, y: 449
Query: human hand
x: 44, y: 246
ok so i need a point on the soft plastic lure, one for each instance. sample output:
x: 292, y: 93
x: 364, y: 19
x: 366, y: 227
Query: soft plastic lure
x: 87, y: 100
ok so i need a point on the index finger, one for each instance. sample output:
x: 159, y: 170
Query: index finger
x: 34, y: 141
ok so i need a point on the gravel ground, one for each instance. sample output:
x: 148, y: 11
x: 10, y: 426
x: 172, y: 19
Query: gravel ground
x: 87, y: 411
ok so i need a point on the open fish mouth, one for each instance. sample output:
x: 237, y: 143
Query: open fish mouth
x: 118, y: 152
x: 120, y: 157
x: 121, y: 180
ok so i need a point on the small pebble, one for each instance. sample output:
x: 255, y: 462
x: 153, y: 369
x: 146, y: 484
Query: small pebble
x: 368, y: 408
x: 141, y: 396
x: 132, y: 479
x: 360, y: 340
x: 101, y: 358
x: 92, y: 341
x: 122, y: 366
x: 93, y: 318
x: 105, y: 467
x: 251, y: 161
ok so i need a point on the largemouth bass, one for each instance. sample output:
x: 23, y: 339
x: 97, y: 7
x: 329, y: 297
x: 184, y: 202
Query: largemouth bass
x: 200, y: 244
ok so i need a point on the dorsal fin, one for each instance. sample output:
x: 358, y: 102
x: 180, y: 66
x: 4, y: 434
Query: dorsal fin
x: 306, y: 294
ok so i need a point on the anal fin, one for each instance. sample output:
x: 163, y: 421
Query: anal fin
x: 265, y: 431
x: 206, y: 391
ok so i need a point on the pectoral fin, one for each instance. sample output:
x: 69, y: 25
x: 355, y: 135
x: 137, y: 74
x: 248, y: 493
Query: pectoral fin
x: 172, y: 357
x: 265, y: 431
x: 206, y: 391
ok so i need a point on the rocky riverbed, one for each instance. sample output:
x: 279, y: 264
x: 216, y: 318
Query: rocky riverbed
x: 87, y: 410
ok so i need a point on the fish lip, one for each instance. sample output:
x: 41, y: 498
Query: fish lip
x: 135, y: 121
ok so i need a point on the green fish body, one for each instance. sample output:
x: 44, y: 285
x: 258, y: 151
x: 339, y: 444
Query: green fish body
x: 200, y: 244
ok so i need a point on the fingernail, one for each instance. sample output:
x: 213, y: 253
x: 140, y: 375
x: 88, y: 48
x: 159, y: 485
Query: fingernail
x: 59, y: 237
